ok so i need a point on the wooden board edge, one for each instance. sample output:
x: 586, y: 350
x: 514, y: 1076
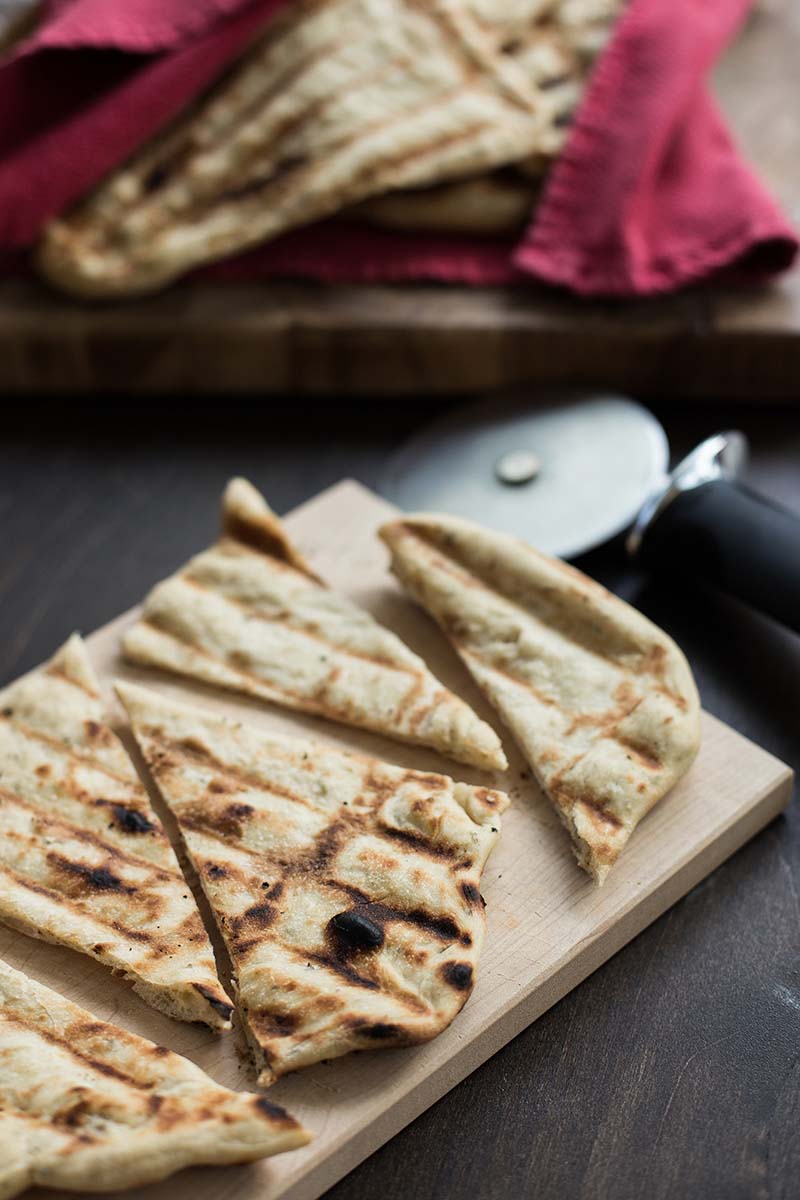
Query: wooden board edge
x: 413, y: 340
x: 606, y: 943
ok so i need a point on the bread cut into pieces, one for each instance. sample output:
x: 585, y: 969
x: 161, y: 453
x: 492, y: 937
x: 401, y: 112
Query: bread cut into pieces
x: 84, y: 860
x: 339, y: 100
x: 347, y: 890
x: 601, y: 701
x: 250, y: 615
x: 88, y: 1107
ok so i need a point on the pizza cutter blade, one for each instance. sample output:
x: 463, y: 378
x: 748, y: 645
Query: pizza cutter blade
x: 565, y: 475
x: 576, y: 473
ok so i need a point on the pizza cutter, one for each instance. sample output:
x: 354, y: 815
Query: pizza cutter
x: 571, y: 474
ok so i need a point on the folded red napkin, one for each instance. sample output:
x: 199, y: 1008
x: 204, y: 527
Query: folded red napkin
x: 649, y: 193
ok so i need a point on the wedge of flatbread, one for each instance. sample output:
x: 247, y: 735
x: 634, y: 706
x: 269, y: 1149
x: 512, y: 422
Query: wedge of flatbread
x: 346, y: 889
x: 84, y: 861
x: 601, y: 701
x: 250, y: 615
x: 88, y: 1107
x: 339, y: 100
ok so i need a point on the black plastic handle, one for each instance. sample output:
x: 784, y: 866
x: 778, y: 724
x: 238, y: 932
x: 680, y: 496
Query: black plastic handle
x: 725, y: 534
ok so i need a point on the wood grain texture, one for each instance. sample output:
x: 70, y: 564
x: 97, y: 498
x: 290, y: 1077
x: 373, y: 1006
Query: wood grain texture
x: 391, y: 341
x: 548, y: 926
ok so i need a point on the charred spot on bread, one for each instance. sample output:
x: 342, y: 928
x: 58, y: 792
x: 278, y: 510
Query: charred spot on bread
x: 458, y: 975
x: 130, y: 820
x: 356, y: 930
x: 222, y: 1007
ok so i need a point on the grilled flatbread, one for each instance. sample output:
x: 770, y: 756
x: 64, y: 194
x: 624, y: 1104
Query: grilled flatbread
x: 555, y: 45
x: 347, y: 890
x: 91, y: 1108
x: 250, y: 615
x: 84, y: 861
x: 489, y: 205
x: 339, y: 100
x: 601, y: 701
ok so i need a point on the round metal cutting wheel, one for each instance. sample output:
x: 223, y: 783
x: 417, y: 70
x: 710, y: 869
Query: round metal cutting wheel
x: 564, y: 475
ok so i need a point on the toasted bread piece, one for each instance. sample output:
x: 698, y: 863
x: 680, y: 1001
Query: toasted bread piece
x: 601, y: 701
x: 84, y: 860
x: 88, y: 1107
x: 249, y: 614
x: 347, y: 890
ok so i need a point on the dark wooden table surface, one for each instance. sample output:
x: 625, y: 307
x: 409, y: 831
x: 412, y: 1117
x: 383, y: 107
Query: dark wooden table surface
x: 674, y: 1070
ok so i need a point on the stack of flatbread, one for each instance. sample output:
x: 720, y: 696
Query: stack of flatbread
x: 340, y: 102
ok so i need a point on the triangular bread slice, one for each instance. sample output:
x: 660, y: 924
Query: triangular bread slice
x: 84, y: 860
x: 346, y: 889
x: 87, y: 1106
x: 249, y: 614
x: 601, y: 701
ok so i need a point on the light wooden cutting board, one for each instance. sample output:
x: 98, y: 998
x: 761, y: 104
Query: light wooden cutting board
x: 548, y: 927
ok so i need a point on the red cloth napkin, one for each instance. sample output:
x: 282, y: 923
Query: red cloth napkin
x: 649, y: 194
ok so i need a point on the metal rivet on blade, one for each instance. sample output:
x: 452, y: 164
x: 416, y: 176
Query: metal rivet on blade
x: 517, y: 466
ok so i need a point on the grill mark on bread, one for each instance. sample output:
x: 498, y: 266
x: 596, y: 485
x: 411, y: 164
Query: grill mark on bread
x: 261, y: 685
x: 282, y: 164
x: 597, y: 805
x: 130, y: 820
x: 68, y: 1042
x: 240, y: 118
x: 426, y: 148
x: 57, y: 672
x: 100, y: 950
x: 223, y: 1007
x: 273, y: 1112
x: 490, y: 665
x: 90, y: 837
x: 91, y: 878
x: 311, y: 632
x: 421, y: 844
x: 471, y: 578
x: 366, y: 938
x: 194, y: 751
x: 338, y: 967
x: 439, y: 926
x: 644, y: 755
x: 67, y: 752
